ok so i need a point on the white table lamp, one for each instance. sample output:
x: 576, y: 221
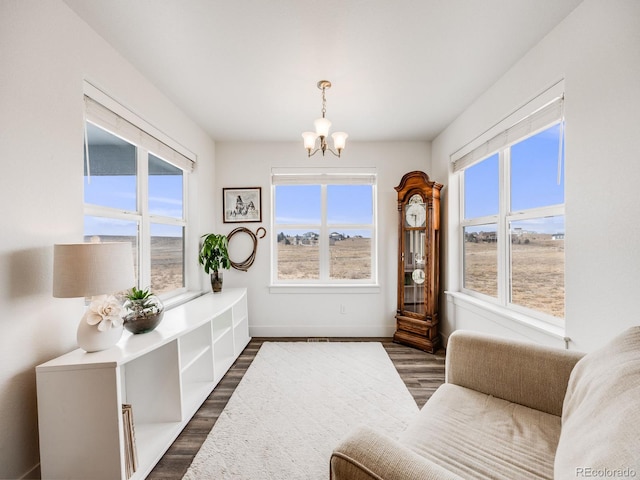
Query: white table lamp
x: 96, y: 270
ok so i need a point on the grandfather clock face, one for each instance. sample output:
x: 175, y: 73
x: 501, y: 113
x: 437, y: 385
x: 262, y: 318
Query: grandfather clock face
x: 415, y: 212
x: 415, y: 218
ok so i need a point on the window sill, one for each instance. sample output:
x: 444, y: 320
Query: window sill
x: 505, y: 315
x: 348, y: 289
x: 178, y: 300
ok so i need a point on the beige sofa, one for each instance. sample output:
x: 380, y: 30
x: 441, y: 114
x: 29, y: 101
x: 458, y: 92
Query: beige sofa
x: 514, y: 411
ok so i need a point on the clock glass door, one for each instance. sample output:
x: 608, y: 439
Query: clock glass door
x: 414, y: 255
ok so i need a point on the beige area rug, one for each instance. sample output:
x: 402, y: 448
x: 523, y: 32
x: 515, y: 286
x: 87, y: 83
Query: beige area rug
x: 294, y: 404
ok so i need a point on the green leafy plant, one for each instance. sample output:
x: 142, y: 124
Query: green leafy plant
x: 141, y: 302
x: 214, y: 253
x: 138, y: 293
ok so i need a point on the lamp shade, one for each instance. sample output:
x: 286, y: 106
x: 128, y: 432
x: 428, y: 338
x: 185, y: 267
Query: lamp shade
x: 90, y: 269
x: 339, y: 140
x: 322, y: 126
x: 309, y: 139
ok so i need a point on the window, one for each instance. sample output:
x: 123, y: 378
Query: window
x: 134, y: 191
x: 324, y: 228
x: 513, y: 217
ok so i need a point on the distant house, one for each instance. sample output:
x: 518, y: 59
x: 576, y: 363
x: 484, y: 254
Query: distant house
x: 307, y: 239
x: 489, y: 237
x: 335, y: 237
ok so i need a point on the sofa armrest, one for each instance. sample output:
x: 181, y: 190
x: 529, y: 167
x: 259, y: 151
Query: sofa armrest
x: 367, y: 454
x: 519, y: 372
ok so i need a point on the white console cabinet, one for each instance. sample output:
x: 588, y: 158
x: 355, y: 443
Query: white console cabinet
x: 165, y: 375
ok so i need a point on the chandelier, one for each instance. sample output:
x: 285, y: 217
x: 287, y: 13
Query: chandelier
x: 322, y: 130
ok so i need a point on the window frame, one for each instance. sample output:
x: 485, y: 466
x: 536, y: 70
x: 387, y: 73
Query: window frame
x: 142, y: 216
x: 324, y: 284
x: 502, y: 221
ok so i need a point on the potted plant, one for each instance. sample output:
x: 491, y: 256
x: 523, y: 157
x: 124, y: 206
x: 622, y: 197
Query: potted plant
x: 143, y: 310
x: 214, y: 256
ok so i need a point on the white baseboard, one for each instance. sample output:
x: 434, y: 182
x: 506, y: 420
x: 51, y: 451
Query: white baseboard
x: 321, y: 331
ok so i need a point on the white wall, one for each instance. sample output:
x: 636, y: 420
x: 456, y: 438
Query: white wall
x: 596, y: 49
x: 296, y: 314
x: 45, y: 53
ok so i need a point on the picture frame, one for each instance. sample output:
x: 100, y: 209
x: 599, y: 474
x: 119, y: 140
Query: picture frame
x: 242, y: 205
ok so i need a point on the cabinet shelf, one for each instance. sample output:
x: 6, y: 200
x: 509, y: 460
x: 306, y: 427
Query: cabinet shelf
x: 165, y: 375
x: 194, y: 394
x: 219, y: 333
x: 241, y: 333
x: 193, y: 357
x: 150, y: 440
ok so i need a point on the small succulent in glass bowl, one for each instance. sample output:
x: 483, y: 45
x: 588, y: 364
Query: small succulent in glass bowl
x: 143, y: 310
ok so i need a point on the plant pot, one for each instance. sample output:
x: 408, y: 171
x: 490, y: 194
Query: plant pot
x: 144, y: 315
x: 216, y: 281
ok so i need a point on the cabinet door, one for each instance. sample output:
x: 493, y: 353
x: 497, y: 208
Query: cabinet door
x: 414, y: 238
x: 414, y: 272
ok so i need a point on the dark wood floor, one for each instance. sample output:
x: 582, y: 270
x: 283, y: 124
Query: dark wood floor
x: 422, y: 373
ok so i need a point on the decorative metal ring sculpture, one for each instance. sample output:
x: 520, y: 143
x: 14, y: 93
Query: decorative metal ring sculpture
x: 245, y: 264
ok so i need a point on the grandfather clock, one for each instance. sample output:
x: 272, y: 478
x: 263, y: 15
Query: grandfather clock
x: 418, y: 262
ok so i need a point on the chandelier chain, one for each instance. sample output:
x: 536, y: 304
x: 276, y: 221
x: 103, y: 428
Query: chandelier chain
x: 324, y: 103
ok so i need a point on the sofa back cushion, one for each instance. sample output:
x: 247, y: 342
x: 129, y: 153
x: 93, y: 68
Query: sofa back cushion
x: 520, y: 372
x: 601, y: 413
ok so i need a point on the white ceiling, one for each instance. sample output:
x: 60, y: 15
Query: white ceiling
x: 246, y: 70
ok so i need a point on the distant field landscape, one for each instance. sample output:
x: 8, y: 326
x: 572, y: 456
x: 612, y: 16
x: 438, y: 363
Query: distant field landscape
x: 350, y: 259
x: 537, y: 266
x: 166, y: 260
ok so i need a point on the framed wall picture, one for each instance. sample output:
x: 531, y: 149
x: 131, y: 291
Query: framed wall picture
x: 242, y: 204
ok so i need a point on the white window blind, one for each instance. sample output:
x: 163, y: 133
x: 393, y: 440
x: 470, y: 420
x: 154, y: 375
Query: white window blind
x: 536, y: 121
x: 101, y: 116
x: 316, y: 177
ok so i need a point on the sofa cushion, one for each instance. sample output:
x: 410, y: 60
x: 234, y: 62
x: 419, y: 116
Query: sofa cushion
x: 480, y: 436
x: 516, y: 371
x: 601, y: 413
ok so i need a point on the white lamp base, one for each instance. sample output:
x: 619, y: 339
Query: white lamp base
x: 91, y: 339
